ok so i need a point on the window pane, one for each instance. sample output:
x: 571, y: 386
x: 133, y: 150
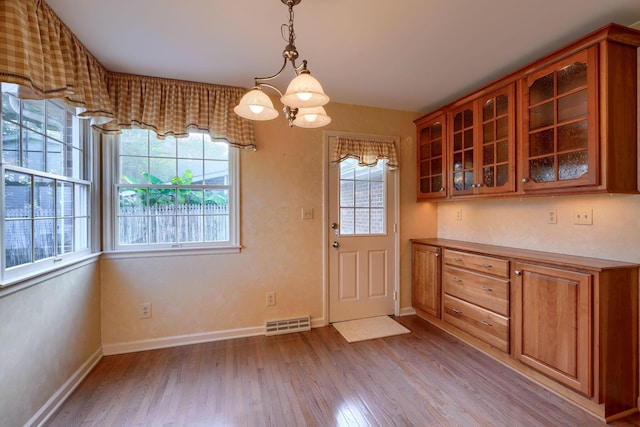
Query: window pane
x: 189, y: 172
x: 216, y: 172
x: 55, y: 157
x: 347, y: 221
x: 17, y: 242
x: 377, y: 194
x: 347, y: 193
x: 33, y: 115
x: 56, y: 121
x: 162, y: 229
x: 44, y: 235
x: 33, y: 150
x: 162, y: 147
x: 65, y: 235
x: 362, y: 193
x: 81, y: 234
x: 44, y: 197
x: 134, y: 142
x: 377, y: 221
x: 10, y: 107
x: 17, y: 195
x: 81, y: 195
x: 162, y: 170
x: 191, y: 147
x: 64, y: 199
x: 362, y: 221
x: 133, y: 170
x: 10, y: 143
x: 215, y: 150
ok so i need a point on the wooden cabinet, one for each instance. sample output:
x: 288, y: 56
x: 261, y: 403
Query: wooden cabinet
x: 571, y: 116
x: 476, y: 296
x: 432, y: 166
x: 554, y: 327
x: 426, y: 279
x: 482, y: 145
x: 570, y: 323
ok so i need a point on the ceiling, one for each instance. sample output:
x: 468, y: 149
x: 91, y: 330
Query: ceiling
x: 412, y: 55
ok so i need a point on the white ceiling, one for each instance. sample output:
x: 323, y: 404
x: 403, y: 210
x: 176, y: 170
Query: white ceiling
x: 413, y: 55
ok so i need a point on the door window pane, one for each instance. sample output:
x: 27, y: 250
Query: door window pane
x: 363, y: 187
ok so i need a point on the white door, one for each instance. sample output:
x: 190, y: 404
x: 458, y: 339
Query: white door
x: 361, y: 240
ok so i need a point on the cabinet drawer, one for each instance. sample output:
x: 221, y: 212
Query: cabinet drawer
x: 484, y: 264
x: 487, y: 292
x: 482, y: 324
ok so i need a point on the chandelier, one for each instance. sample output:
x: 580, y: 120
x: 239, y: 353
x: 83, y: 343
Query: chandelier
x: 303, y: 99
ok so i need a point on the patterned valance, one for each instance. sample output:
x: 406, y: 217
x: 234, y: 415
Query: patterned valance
x: 172, y: 107
x: 366, y: 150
x: 40, y: 53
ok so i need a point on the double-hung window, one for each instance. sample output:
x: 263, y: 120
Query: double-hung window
x: 46, y: 194
x: 174, y: 193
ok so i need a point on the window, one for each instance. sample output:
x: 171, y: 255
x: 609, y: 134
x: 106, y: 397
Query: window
x: 174, y: 193
x: 362, y: 198
x: 45, y: 192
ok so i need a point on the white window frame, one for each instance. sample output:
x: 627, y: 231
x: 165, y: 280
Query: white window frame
x: 23, y: 273
x: 111, y: 174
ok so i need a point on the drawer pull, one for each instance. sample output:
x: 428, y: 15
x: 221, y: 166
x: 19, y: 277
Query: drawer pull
x: 455, y: 279
x: 456, y: 311
x: 486, y: 265
x: 484, y: 322
x: 518, y: 273
x: 484, y: 288
x: 457, y: 259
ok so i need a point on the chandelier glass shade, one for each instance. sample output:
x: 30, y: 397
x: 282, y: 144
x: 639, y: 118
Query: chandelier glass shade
x: 303, y: 99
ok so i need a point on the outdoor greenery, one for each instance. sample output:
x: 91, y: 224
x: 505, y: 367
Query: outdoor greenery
x: 167, y: 196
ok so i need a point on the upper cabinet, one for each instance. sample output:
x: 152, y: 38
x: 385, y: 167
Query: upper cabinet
x: 432, y: 167
x: 565, y: 124
x: 560, y: 124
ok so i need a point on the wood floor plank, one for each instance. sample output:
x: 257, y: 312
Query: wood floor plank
x: 316, y: 378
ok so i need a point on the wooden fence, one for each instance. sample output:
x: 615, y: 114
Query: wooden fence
x: 173, y: 224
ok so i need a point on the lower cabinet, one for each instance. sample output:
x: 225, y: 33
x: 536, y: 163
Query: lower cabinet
x: 554, y: 326
x: 570, y: 323
x: 426, y: 286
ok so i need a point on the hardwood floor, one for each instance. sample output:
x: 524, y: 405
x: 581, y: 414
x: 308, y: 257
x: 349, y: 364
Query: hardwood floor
x: 426, y: 378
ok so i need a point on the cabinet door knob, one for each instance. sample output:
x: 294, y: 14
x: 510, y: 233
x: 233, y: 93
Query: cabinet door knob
x: 525, y: 180
x: 441, y: 188
x: 436, y: 255
x: 518, y: 273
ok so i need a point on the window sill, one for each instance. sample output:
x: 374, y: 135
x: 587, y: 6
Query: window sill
x: 152, y: 253
x: 34, y: 278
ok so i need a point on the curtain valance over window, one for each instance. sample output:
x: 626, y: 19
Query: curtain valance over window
x: 366, y: 150
x: 172, y: 107
x: 40, y: 53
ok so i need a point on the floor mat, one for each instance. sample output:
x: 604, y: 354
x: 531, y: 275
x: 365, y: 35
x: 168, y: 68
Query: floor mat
x: 369, y: 328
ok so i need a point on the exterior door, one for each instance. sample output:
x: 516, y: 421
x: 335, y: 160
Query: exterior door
x: 361, y: 240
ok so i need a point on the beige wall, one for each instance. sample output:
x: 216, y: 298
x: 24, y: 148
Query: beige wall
x: 522, y: 223
x: 281, y: 252
x: 47, y: 332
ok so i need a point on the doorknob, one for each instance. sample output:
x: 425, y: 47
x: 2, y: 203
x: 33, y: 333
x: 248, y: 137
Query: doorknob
x: 335, y: 244
x: 334, y: 226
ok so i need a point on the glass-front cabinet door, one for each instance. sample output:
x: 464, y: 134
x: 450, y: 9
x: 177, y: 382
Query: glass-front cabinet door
x: 560, y: 124
x: 496, y: 143
x: 432, y: 158
x: 462, y: 150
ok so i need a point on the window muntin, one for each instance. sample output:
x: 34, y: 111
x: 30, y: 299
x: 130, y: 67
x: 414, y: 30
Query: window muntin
x: 45, y: 194
x: 175, y: 192
x: 362, y: 199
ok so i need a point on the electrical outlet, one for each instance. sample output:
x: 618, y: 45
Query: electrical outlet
x: 552, y: 216
x: 271, y: 298
x: 583, y: 216
x: 145, y: 310
x: 459, y: 215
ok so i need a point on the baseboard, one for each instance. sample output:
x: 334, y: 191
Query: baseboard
x: 407, y: 311
x: 54, y: 402
x: 174, y: 341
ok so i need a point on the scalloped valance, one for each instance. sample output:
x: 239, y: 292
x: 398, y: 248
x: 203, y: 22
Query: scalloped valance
x: 41, y: 54
x: 366, y: 150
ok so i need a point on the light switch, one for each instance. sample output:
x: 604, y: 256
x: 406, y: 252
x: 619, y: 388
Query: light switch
x: 307, y: 213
